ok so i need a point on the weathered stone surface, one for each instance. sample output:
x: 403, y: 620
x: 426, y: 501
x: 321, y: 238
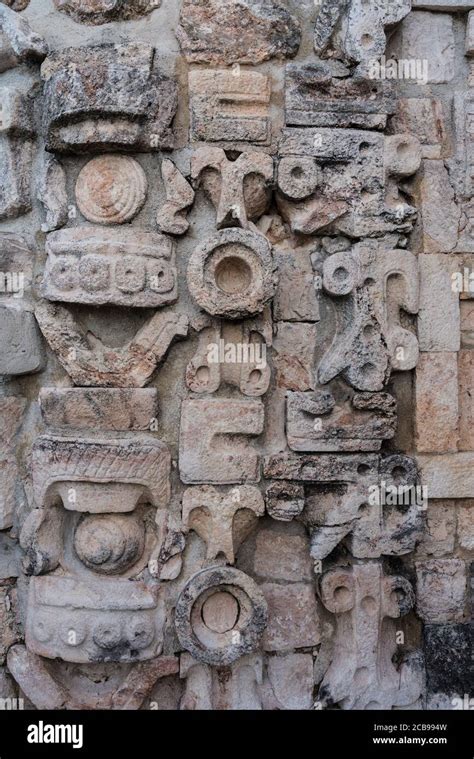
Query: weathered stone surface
x: 439, y: 316
x: 223, y: 519
x: 126, y: 267
x: 437, y: 408
x: 231, y: 353
x: 220, y: 615
x: 290, y: 682
x: 20, y: 338
x: 16, y: 153
x: 293, y: 619
x: 11, y: 413
x: 111, y: 189
x: 207, y: 448
x: 466, y: 525
x: 236, y: 31
x: 100, y: 366
x: 52, y: 193
x: 439, y: 535
x: 232, y: 274
x: 18, y: 43
x: 310, y: 468
x: 295, y: 274
x: 359, y: 27
x: 104, y: 11
x: 439, y: 213
x: 294, y: 355
x: 448, y: 476
x: 33, y: 677
x: 466, y: 400
x: 425, y: 118
x: 107, y: 97
x: 284, y: 500
x: 441, y: 590
x: 316, y: 422
x: 430, y: 37
x: 369, y: 341
x: 171, y: 217
x: 360, y: 675
x: 230, y: 109
x: 99, y: 408
x: 282, y: 557
x: 206, y: 688
x: 324, y: 95
x: 239, y: 189
x: 448, y: 658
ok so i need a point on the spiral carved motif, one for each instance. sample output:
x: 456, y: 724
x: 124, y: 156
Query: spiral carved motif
x: 111, y: 189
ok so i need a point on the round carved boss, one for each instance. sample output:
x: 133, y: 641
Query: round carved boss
x: 220, y: 615
x: 111, y: 189
x: 232, y: 274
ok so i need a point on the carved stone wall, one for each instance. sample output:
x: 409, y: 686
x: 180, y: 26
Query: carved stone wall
x: 237, y: 351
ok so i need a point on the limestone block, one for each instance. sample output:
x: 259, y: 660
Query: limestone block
x: 103, y: 11
x: 52, y: 194
x: 99, y: 408
x: 18, y: 43
x: 358, y: 27
x: 209, y: 449
x: 437, y: 408
x: 232, y: 274
x: 98, y: 365
x: 125, y: 267
x: 370, y: 341
x: 279, y: 556
x: 171, y: 217
x: 362, y: 674
x: 293, y: 356
x: 295, y: 274
x: 236, y: 31
x: 107, y: 97
x: 423, y: 117
x: 448, y: 656
x: 430, y: 37
x: 448, y: 476
x: 440, y: 529
x: 223, y: 519
x: 84, y: 622
x: 315, y: 422
x: 227, y: 108
x: 311, y: 468
x: 467, y: 324
x: 233, y: 353
x: 207, y: 689
x: 293, y: 617
x: 11, y: 413
x: 466, y: 525
x: 111, y: 189
x: 466, y: 400
x: 441, y: 590
x: 439, y: 316
x: 469, y: 42
x: 284, y: 500
x: 323, y: 95
x: 220, y: 615
x: 21, y: 342
x: 439, y: 213
x: 290, y: 682
x: 16, y: 153
x: 238, y: 190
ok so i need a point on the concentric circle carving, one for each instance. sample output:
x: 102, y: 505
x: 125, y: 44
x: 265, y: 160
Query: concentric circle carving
x: 111, y: 189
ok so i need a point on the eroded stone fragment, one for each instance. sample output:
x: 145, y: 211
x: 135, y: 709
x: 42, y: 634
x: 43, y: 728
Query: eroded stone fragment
x: 316, y: 422
x: 437, y: 405
x: 295, y: 274
x: 99, y: 408
x: 125, y: 267
x: 362, y: 674
x: 16, y: 153
x: 213, y: 441
x: 103, y: 11
x: 18, y: 43
x: 234, y: 353
x: 220, y: 615
x: 213, y: 515
x: 293, y: 355
x: 427, y: 37
x: 111, y: 189
x: 293, y: 618
x: 449, y: 475
x: 439, y: 326
x: 234, y: 687
x: 230, y: 109
x: 441, y: 590
x: 439, y: 212
x: 11, y: 413
x: 171, y: 217
x: 448, y: 657
x: 21, y: 342
x: 236, y: 31
x: 466, y: 400
x: 284, y: 500
x: 107, y: 97
x: 232, y: 274
x: 93, y: 364
x: 239, y: 190
x: 52, y: 194
x: 290, y: 682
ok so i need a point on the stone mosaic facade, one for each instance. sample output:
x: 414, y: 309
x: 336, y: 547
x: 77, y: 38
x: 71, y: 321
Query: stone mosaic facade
x: 237, y: 330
